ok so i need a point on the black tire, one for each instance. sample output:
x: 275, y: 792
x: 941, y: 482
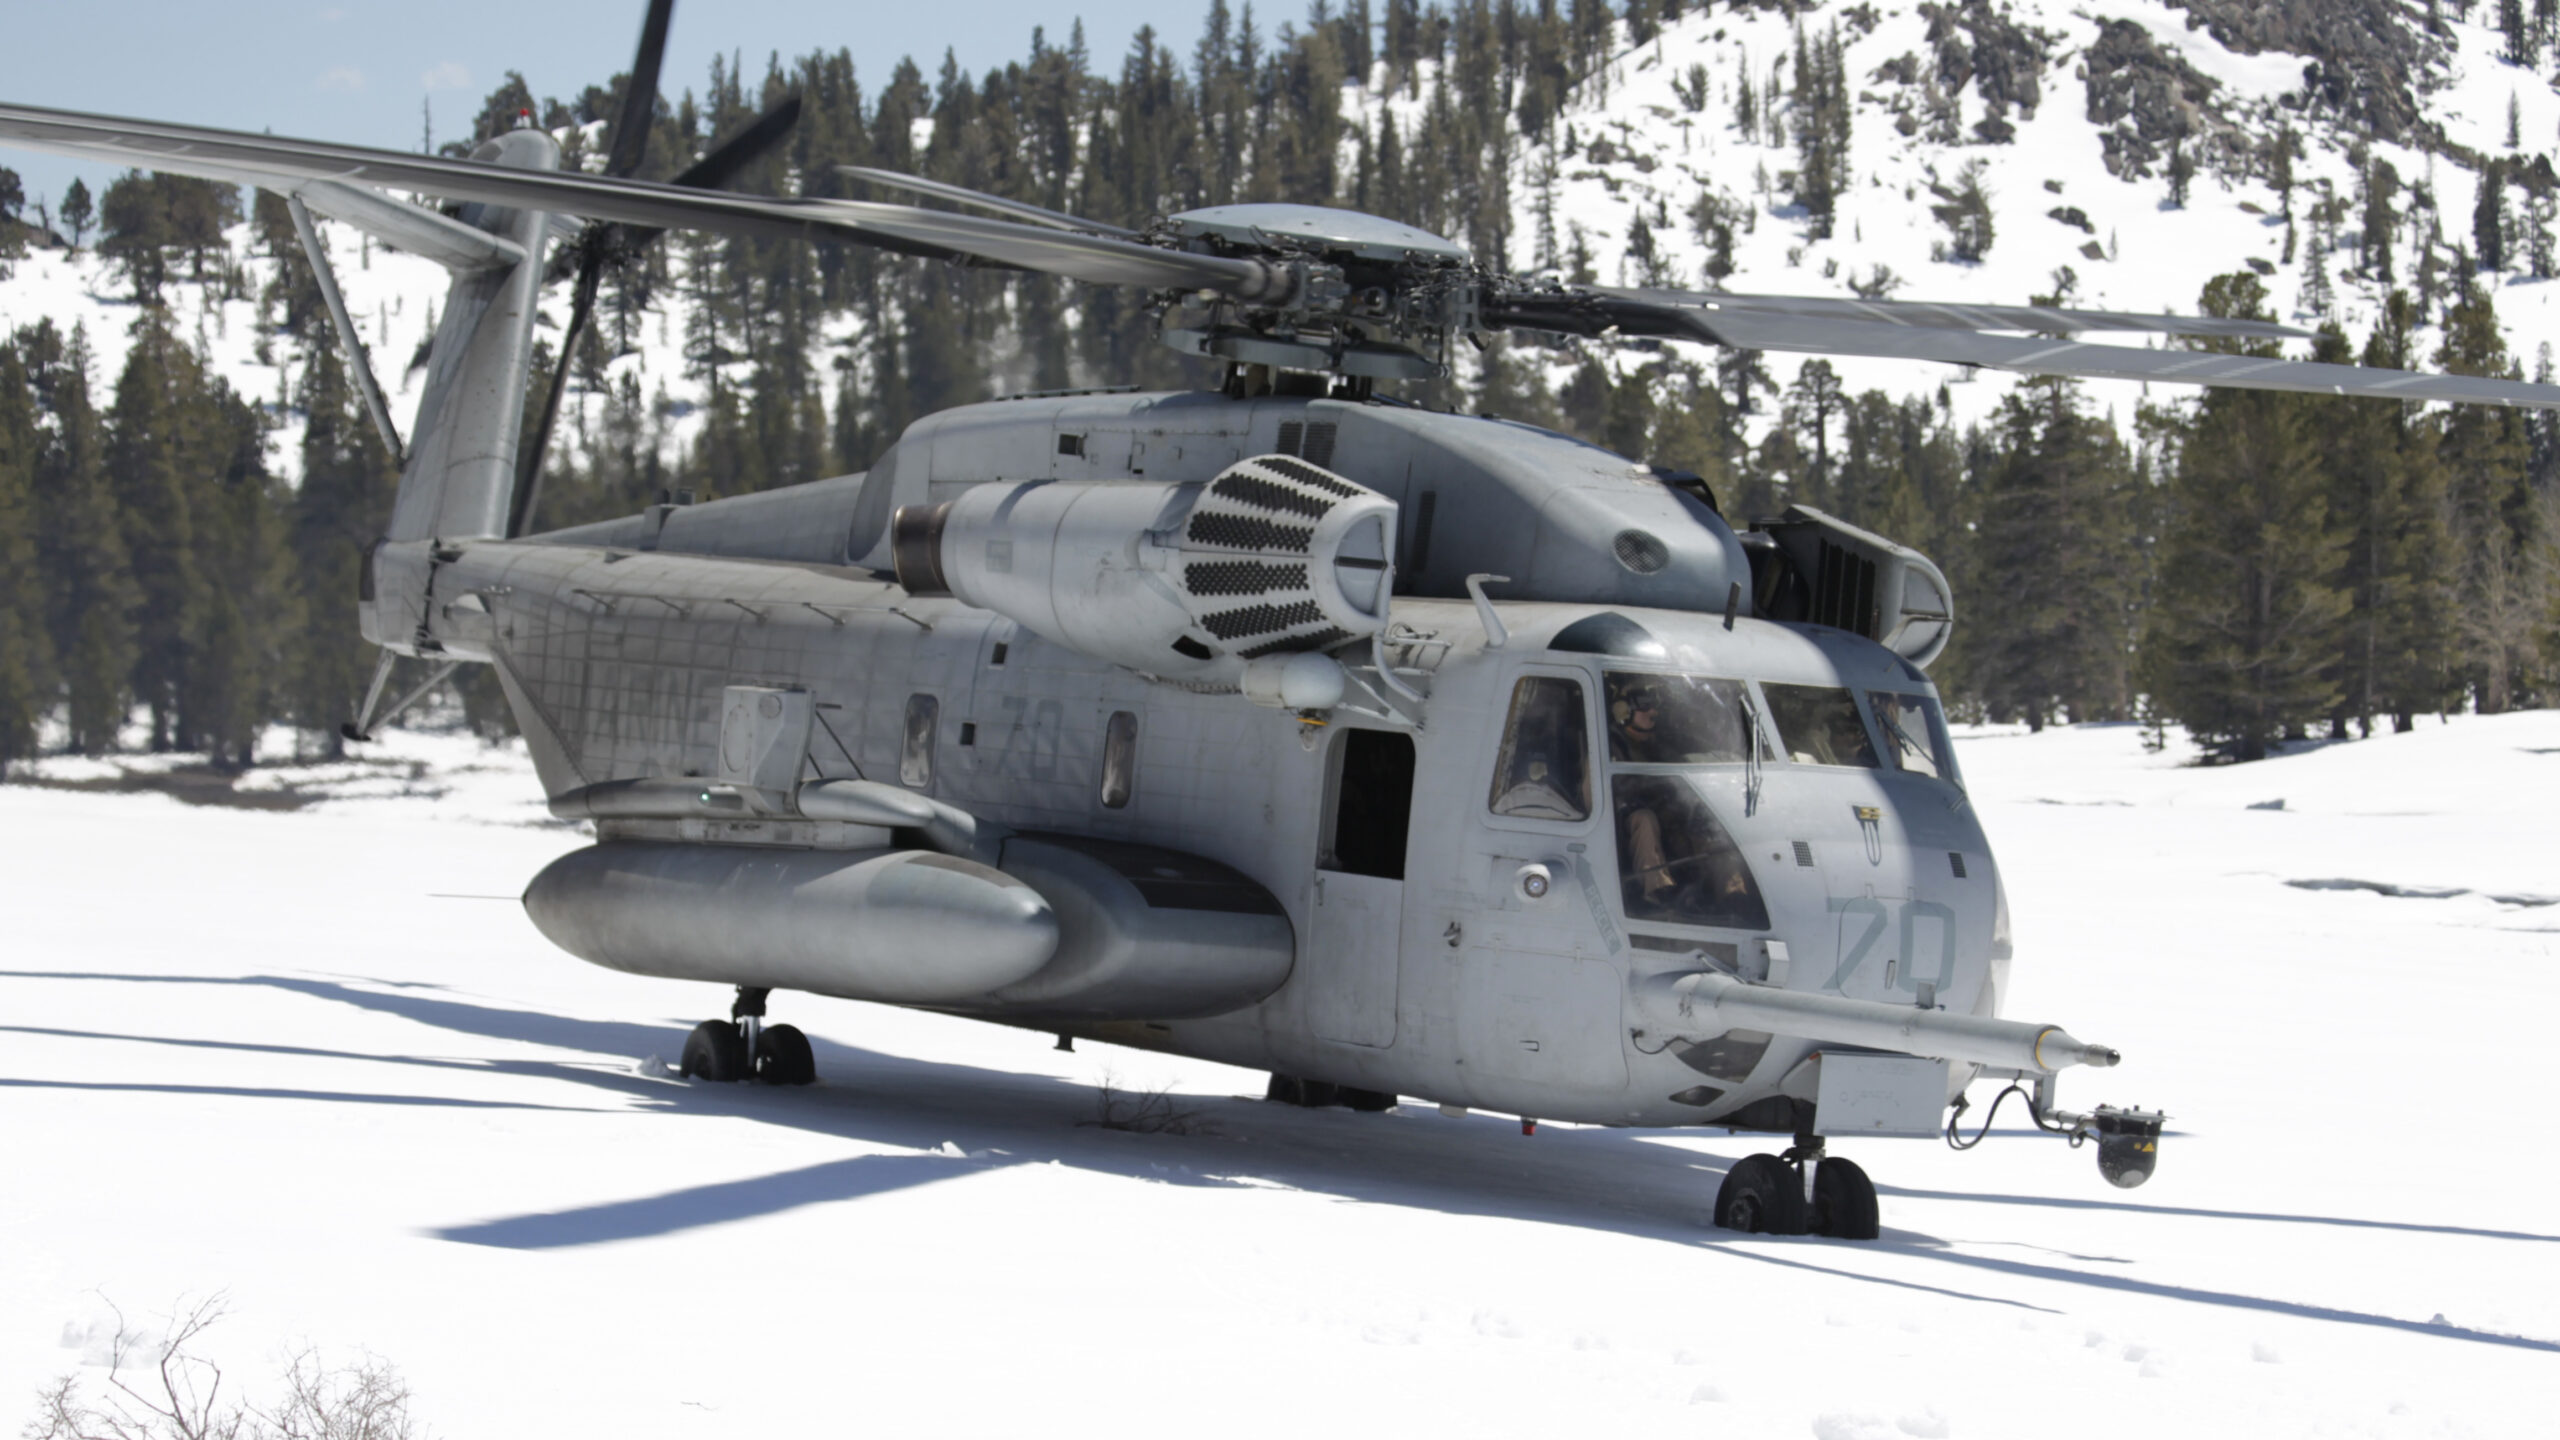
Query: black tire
x: 1844, y: 1201
x: 1284, y: 1090
x: 1369, y: 1102
x: 1319, y: 1094
x: 782, y: 1056
x: 716, y: 1050
x: 1761, y: 1194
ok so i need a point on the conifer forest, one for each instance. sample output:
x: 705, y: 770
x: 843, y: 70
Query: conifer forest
x: 178, y: 559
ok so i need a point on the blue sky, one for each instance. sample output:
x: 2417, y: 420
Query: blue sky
x: 356, y: 71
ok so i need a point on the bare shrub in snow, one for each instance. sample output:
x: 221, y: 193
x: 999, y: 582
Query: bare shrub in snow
x: 163, y: 1388
x: 1147, y: 1112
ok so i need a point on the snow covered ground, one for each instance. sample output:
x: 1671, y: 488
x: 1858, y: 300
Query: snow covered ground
x: 318, y: 1060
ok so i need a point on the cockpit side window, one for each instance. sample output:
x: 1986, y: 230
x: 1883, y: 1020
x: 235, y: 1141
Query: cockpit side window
x: 1677, y: 719
x: 1915, y: 733
x: 1676, y: 863
x: 1819, y: 725
x: 1544, y: 770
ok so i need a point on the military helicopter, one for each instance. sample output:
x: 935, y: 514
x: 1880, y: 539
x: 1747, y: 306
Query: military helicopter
x: 1395, y: 753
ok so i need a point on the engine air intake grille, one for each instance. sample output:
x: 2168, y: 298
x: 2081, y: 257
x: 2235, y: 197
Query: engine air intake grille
x: 1245, y: 532
x: 1241, y: 577
x: 1260, y: 619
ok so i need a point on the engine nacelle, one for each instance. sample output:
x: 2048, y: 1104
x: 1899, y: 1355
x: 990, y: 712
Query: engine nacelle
x: 1806, y: 565
x: 1184, y: 581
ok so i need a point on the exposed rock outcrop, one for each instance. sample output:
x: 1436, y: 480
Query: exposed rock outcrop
x: 2365, y: 58
x: 2144, y: 99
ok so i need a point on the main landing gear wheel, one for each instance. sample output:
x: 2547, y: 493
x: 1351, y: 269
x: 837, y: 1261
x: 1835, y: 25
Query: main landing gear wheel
x: 743, y: 1047
x: 782, y: 1058
x: 1844, y: 1200
x: 1762, y: 1194
x: 716, y: 1050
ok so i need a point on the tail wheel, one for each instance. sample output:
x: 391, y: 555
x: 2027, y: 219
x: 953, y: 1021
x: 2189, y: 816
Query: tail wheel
x: 1764, y: 1195
x: 716, y: 1050
x: 782, y: 1056
x: 1844, y: 1201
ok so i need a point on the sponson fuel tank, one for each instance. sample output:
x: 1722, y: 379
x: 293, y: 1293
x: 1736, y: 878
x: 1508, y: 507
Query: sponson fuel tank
x: 911, y: 927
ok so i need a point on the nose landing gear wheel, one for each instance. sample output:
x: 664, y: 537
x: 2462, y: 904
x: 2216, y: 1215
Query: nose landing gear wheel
x: 782, y: 1056
x: 1844, y: 1200
x: 1762, y: 1194
x: 716, y: 1050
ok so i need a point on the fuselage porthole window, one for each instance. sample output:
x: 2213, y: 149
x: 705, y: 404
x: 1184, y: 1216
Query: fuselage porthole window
x: 1119, y: 759
x: 915, y: 757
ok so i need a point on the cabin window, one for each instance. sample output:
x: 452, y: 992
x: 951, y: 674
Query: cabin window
x: 915, y: 758
x: 1676, y: 862
x: 1544, y: 770
x: 1915, y: 733
x: 1372, y: 804
x: 1819, y: 725
x: 1677, y: 719
x: 1119, y: 759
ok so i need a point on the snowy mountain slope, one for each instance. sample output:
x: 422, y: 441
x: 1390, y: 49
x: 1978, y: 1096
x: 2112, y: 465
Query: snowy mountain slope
x: 2158, y: 256
x: 330, y: 1069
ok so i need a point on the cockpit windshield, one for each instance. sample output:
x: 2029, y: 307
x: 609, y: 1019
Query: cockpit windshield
x: 1819, y: 725
x: 1915, y: 733
x: 1677, y: 719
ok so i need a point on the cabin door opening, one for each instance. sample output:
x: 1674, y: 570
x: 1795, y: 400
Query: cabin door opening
x: 1348, y: 966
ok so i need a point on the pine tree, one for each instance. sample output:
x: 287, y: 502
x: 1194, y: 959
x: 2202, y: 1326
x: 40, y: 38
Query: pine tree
x: 2489, y: 218
x: 2391, y: 486
x: 2501, y: 526
x: 2240, y: 642
x: 27, y: 679
x: 1813, y: 405
x: 2055, y: 572
x: 78, y: 210
x: 1965, y: 209
x: 150, y: 473
x: 88, y: 578
x: 2381, y: 187
x: 2523, y: 44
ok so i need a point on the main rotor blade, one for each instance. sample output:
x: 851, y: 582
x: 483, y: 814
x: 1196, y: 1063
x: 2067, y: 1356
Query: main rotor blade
x: 960, y: 195
x: 936, y: 234
x: 1756, y: 330
x: 640, y: 97
x: 2041, y: 318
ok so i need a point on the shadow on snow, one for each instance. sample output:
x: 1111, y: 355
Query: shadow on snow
x: 1599, y: 1179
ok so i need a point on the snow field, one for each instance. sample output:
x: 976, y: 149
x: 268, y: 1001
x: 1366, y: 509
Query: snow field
x: 320, y: 1061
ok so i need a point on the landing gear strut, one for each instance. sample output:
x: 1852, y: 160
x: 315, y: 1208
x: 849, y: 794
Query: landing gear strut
x: 744, y: 1047
x: 1777, y: 1195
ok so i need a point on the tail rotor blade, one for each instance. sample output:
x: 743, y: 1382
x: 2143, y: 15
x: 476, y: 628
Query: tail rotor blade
x: 715, y: 170
x: 640, y: 97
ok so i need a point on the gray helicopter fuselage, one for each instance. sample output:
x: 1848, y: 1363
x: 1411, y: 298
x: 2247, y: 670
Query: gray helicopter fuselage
x: 1422, y: 962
